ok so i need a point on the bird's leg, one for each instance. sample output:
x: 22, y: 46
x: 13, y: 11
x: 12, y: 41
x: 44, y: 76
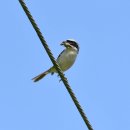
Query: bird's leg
x: 52, y: 73
x: 59, y: 76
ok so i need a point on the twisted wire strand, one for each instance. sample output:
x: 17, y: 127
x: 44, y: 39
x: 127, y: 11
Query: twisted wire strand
x: 63, y: 78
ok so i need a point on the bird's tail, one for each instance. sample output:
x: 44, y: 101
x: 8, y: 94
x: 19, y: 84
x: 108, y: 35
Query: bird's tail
x: 40, y: 76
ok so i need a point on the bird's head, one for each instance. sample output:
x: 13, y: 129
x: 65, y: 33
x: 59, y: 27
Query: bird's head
x: 70, y: 43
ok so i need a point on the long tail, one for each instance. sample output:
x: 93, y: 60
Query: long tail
x: 40, y: 76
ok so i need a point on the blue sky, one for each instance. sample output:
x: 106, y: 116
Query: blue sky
x: 100, y: 77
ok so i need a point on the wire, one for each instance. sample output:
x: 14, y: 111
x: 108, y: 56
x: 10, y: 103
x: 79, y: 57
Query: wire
x: 63, y: 78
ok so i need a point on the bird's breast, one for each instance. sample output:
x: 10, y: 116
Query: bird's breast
x: 67, y: 59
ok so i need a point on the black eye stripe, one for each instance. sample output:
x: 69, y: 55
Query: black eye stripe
x: 73, y: 43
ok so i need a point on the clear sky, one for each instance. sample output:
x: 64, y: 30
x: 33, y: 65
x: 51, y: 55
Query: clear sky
x: 100, y: 77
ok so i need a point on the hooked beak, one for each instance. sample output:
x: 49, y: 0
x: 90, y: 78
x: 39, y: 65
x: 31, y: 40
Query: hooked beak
x: 63, y: 43
x: 66, y: 44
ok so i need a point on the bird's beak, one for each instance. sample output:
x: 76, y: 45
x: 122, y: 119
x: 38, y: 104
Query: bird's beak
x: 66, y: 44
x: 63, y: 43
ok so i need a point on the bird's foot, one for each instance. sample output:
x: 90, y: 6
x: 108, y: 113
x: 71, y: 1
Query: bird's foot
x: 59, y: 76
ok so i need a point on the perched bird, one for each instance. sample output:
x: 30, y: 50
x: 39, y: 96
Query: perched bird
x: 65, y: 60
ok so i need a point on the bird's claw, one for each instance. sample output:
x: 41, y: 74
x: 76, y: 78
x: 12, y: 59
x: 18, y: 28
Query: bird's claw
x: 59, y: 76
x: 60, y: 80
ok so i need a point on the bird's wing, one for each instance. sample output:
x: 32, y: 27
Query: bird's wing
x: 60, y: 54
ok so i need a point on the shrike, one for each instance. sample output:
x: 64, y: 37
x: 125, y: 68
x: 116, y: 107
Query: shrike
x: 65, y: 60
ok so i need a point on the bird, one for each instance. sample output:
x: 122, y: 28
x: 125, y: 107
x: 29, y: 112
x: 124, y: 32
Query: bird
x: 65, y: 59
